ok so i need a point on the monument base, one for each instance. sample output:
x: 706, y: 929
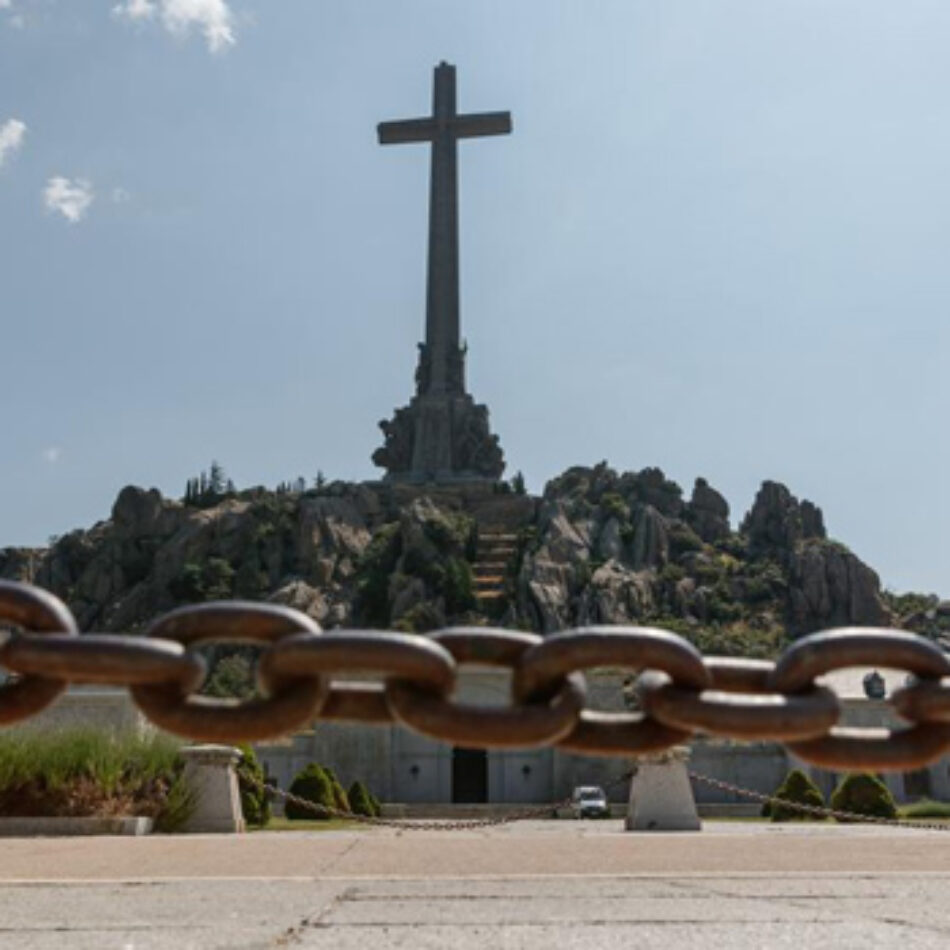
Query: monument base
x: 441, y: 438
x: 661, y: 797
x: 210, y: 775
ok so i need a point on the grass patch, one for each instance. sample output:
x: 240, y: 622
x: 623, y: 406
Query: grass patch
x: 926, y: 809
x: 331, y: 824
x: 87, y: 772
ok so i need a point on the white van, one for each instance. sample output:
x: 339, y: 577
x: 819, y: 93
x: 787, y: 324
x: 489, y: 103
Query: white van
x: 589, y: 801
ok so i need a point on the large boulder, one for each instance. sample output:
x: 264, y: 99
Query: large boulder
x: 708, y: 512
x: 777, y: 522
x: 138, y: 512
x: 616, y: 595
x: 651, y: 487
x: 332, y: 535
x: 301, y: 596
x: 650, y: 546
x: 831, y: 587
x: 610, y: 544
x: 563, y: 539
x: 19, y: 564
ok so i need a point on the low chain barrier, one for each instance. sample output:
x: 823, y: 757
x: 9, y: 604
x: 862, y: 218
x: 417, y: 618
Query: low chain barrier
x: 546, y: 811
x: 464, y: 824
x: 681, y: 693
x: 818, y: 811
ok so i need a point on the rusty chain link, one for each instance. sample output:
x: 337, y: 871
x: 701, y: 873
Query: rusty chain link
x: 680, y: 691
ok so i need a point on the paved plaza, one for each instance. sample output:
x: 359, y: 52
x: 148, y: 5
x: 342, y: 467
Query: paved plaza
x: 527, y: 885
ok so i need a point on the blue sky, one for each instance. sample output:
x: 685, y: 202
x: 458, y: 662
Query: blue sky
x: 716, y: 242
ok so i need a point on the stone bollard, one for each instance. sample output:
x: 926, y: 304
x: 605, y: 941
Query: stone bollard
x: 211, y: 776
x: 661, y: 797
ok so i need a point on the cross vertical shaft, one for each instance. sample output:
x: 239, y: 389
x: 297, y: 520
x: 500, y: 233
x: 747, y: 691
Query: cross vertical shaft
x: 441, y: 362
x: 442, y: 292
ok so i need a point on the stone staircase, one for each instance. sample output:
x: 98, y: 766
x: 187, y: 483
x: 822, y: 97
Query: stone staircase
x: 496, y: 548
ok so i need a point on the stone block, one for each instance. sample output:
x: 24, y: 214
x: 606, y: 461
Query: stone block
x: 65, y: 826
x: 210, y: 774
x: 661, y: 797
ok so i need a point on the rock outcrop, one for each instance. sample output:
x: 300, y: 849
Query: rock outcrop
x: 778, y: 522
x: 597, y: 547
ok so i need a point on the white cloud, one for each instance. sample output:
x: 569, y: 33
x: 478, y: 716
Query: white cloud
x: 52, y: 454
x: 134, y: 9
x: 6, y: 4
x: 70, y: 198
x: 11, y: 135
x: 213, y: 18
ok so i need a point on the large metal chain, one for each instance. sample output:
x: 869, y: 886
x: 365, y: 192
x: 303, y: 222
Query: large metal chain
x: 681, y: 692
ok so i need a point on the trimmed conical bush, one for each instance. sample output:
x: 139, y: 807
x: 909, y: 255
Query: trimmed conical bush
x: 799, y: 788
x: 312, y: 784
x: 340, y: 800
x: 360, y: 801
x: 864, y: 794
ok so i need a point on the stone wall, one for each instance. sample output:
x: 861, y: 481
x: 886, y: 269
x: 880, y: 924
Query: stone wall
x: 98, y: 707
x: 401, y: 766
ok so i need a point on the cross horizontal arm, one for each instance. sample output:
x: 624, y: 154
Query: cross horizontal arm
x: 482, y: 123
x: 408, y: 130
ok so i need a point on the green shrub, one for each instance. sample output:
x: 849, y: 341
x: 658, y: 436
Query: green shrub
x: 361, y: 802
x: 613, y: 506
x: 926, y: 808
x: 255, y: 802
x: 798, y: 788
x: 377, y: 807
x: 420, y: 618
x: 671, y: 574
x: 683, y: 539
x: 312, y: 784
x: 864, y: 794
x: 340, y: 801
x: 371, y: 605
x: 212, y: 579
x: 177, y: 806
x: 457, y: 586
x: 231, y: 677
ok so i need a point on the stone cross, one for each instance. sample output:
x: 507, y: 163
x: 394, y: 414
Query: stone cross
x: 441, y: 363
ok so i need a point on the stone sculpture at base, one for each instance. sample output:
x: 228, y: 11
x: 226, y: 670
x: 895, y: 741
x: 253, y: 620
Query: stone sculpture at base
x: 661, y: 797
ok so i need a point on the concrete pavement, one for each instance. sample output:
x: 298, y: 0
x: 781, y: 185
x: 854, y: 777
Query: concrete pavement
x: 527, y: 885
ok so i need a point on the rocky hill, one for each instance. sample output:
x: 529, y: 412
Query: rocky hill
x: 596, y: 547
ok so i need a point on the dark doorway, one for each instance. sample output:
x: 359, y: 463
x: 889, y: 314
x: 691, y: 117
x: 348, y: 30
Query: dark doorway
x: 917, y: 784
x: 469, y: 775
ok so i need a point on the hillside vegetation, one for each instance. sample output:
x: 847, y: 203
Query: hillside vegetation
x: 597, y: 547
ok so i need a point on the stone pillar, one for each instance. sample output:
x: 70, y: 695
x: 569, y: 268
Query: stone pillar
x: 211, y: 776
x: 661, y: 797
